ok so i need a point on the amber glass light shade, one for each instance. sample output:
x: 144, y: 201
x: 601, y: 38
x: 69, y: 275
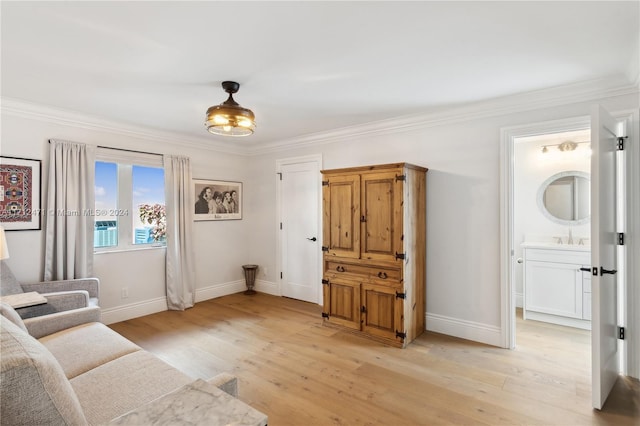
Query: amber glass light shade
x: 229, y: 118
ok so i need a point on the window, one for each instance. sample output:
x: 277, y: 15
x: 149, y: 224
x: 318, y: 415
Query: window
x: 130, y: 205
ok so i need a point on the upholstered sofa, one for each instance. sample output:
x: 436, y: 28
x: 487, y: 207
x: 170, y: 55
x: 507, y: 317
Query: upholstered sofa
x: 61, y: 295
x: 68, y: 368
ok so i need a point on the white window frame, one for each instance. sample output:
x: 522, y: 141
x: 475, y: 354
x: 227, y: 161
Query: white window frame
x: 125, y: 161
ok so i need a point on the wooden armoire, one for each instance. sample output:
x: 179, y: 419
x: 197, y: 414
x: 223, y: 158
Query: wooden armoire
x: 374, y: 251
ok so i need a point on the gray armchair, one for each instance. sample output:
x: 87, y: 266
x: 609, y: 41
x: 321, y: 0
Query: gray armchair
x: 61, y: 295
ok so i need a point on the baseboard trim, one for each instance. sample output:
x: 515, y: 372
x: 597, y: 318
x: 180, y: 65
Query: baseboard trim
x: 267, y: 287
x: 469, y: 330
x: 219, y: 290
x: 152, y: 306
x: 134, y: 310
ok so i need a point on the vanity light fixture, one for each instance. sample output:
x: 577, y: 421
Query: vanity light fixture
x: 564, y: 146
x: 229, y: 118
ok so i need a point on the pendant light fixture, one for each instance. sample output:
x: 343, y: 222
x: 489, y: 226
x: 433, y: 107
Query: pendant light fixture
x: 229, y: 118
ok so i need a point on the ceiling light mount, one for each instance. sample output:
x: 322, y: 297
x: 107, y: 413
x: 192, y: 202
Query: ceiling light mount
x: 229, y: 118
x: 230, y: 87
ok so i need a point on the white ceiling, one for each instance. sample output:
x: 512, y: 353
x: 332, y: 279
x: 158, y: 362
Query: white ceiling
x: 304, y: 67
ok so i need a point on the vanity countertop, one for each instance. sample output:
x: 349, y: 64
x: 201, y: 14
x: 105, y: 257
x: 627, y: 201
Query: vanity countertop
x: 556, y: 246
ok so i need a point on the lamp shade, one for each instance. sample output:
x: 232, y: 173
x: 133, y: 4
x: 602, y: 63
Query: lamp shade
x: 4, y: 250
x: 229, y: 118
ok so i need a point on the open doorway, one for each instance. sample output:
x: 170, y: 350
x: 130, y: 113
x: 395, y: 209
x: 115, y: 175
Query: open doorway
x: 551, y: 229
x: 613, y: 200
x: 551, y: 242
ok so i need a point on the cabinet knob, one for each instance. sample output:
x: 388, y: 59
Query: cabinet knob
x: 519, y: 260
x: 340, y: 269
x: 382, y: 275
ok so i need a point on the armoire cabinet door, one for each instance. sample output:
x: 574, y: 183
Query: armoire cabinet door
x: 381, y: 216
x: 342, y: 303
x: 341, y: 221
x: 382, y: 313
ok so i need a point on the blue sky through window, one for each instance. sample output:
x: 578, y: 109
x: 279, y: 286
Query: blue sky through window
x: 148, y: 185
x: 106, y: 187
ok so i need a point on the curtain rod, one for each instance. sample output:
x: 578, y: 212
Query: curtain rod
x: 129, y: 150
x: 123, y: 149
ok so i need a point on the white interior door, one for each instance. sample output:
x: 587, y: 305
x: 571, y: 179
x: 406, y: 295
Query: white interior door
x: 300, y: 236
x: 604, y: 343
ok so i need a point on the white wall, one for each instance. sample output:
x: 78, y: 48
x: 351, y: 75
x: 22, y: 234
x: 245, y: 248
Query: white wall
x: 531, y: 169
x: 462, y: 152
x: 463, y: 201
x: 221, y: 246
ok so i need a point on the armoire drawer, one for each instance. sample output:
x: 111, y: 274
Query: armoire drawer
x: 369, y: 272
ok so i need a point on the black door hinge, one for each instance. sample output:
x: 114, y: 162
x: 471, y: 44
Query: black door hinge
x: 325, y: 282
x: 325, y: 248
x: 620, y: 238
x: 621, y: 333
x: 279, y: 174
x: 402, y: 296
x: 400, y: 256
x: 401, y: 177
x: 280, y: 275
x: 401, y: 335
x: 621, y: 143
x: 325, y: 183
x: 325, y: 315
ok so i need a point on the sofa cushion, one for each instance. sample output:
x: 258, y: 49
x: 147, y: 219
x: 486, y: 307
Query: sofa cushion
x: 84, y: 347
x: 8, y: 282
x: 34, y: 388
x: 121, y: 385
x: 9, y: 313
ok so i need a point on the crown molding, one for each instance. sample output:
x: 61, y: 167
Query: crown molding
x: 45, y: 113
x: 522, y: 102
x: 512, y: 104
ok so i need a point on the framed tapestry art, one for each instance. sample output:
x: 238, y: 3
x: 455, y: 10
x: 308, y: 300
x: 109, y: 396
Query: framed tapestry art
x: 217, y: 200
x: 20, y: 181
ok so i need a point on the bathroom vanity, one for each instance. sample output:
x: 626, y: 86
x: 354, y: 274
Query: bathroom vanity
x: 556, y: 290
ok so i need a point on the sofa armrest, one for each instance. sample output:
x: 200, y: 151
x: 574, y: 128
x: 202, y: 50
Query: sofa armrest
x: 91, y: 285
x: 56, y: 302
x: 49, y: 324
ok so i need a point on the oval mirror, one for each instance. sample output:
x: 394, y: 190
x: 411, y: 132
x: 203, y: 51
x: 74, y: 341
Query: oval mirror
x: 565, y: 198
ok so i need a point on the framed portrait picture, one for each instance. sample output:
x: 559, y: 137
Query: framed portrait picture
x: 217, y: 200
x: 20, y: 180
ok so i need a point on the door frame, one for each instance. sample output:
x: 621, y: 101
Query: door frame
x: 631, y: 346
x: 317, y: 158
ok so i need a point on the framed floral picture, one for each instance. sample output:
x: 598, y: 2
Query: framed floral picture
x: 20, y: 180
x: 217, y: 200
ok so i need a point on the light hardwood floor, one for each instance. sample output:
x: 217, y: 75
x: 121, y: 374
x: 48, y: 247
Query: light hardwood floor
x: 300, y: 373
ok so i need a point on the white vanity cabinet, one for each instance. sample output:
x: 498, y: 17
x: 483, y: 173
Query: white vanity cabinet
x: 555, y: 288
